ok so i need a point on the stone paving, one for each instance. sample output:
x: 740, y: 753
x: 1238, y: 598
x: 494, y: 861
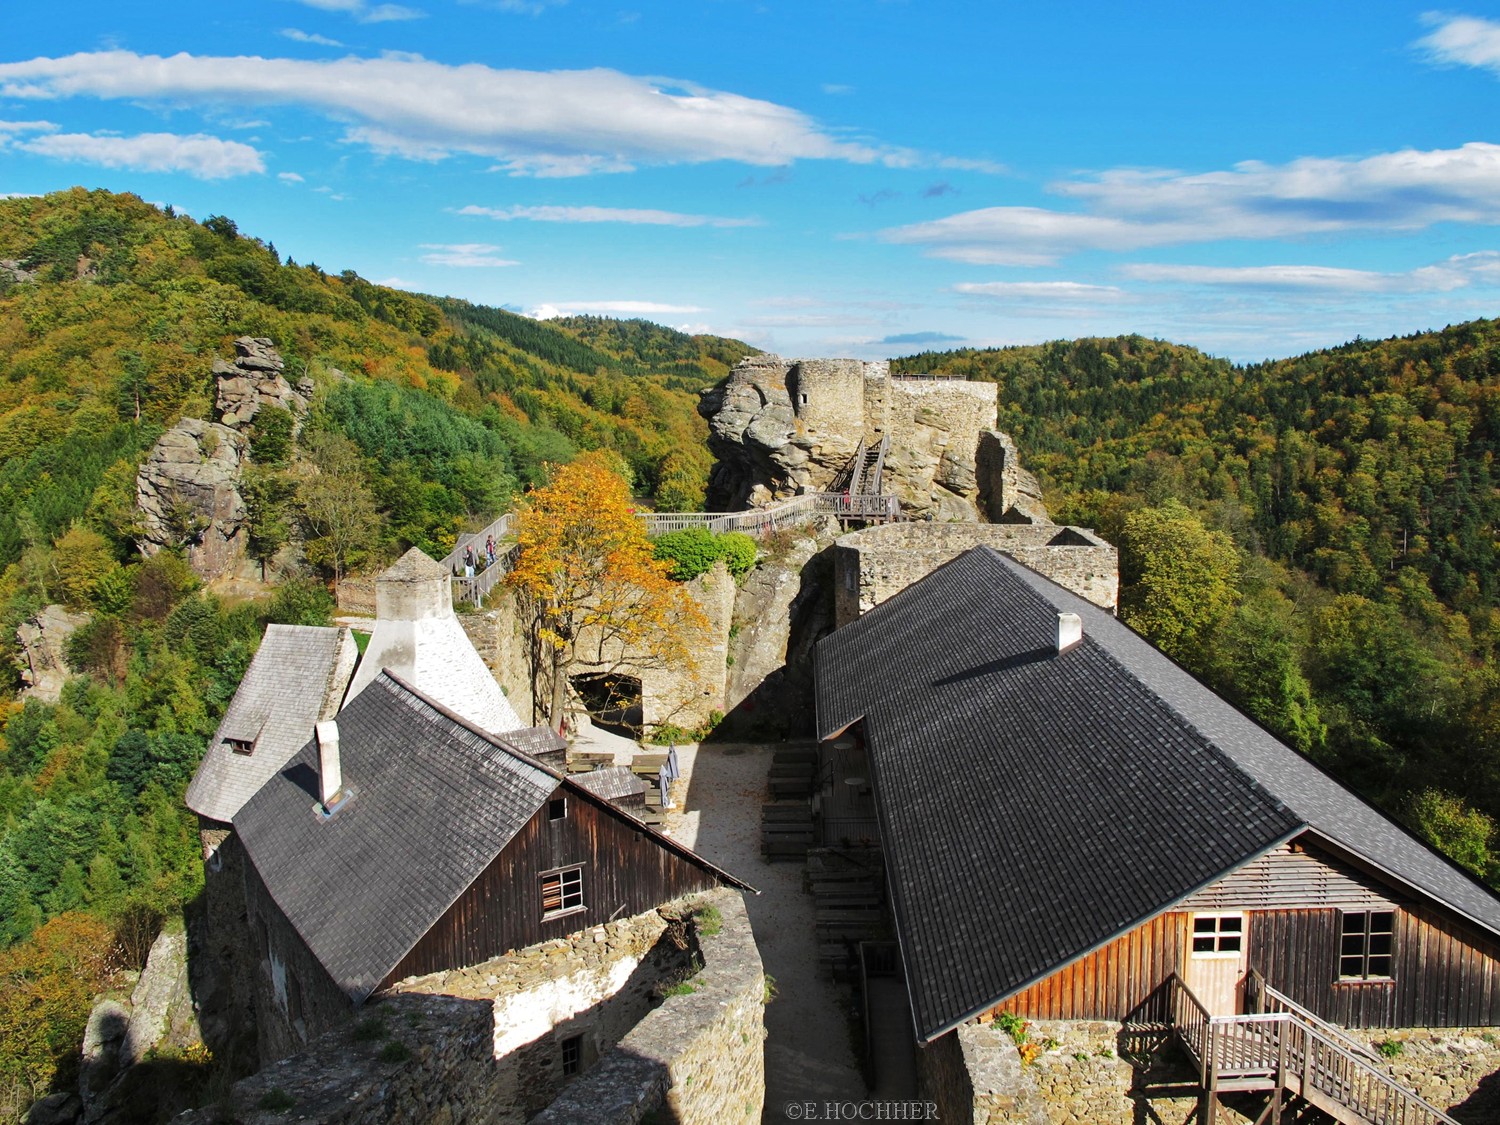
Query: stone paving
x: 808, y: 1051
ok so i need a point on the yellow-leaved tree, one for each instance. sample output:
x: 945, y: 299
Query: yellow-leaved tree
x: 595, y: 597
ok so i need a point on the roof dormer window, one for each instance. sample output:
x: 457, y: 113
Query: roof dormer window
x: 240, y: 745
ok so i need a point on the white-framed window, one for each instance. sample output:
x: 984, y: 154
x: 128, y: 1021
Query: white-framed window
x: 562, y: 892
x: 1218, y: 935
x: 1367, y: 944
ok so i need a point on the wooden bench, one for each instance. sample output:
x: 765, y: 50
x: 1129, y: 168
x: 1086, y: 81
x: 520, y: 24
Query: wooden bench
x: 647, y: 765
x: 586, y: 761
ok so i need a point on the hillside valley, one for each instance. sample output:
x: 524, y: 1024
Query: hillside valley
x: 1314, y: 536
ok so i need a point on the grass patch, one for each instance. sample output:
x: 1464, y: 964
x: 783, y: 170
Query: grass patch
x: 369, y: 1030
x: 681, y: 988
x: 394, y: 1051
x: 710, y: 922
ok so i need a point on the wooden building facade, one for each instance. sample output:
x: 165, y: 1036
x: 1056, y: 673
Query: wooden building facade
x: 1340, y: 942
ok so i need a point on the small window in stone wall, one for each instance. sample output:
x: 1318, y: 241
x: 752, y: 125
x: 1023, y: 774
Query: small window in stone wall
x: 572, y: 1055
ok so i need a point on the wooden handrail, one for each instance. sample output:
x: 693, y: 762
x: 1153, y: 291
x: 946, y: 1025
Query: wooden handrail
x: 1270, y: 1000
x: 1291, y: 1050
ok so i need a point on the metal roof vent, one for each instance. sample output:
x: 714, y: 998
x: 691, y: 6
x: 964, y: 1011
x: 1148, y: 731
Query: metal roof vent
x: 1069, y: 631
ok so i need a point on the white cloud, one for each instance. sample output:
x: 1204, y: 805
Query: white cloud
x: 398, y: 283
x: 1462, y: 41
x: 289, y: 177
x: 296, y: 35
x: 466, y: 255
x: 20, y: 195
x: 533, y: 122
x: 604, y: 215
x: 10, y: 128
x: 624, y: 308
x: 198, y: 155
x: 837, y: 88
x: 1131, y: 209
x: 364, y: 12
x: 1040, y: 290
x: 1457, y: 272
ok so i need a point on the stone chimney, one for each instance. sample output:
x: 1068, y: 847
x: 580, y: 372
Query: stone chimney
x: 1069, y: 631
x: 330, y: 775
x: 415, y: 588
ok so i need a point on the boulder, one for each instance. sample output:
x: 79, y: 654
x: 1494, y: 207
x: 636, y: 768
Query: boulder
x: 188, y: 495
x: 42, y: 638
x: 1007, y: 492
x: 102, y: 1057
x: 254, y: 380
x: 161, y: 1005
x: 56, y: 1109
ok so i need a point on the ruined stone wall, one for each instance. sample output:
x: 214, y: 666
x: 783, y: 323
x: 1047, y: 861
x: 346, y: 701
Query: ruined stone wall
x: 500, y: 639
x: 427, y: 1050
x: 227, y: 1000
x: 686, y: 694
x: 879, y: 562
x: 828, y: 401
x: 696, y: 1060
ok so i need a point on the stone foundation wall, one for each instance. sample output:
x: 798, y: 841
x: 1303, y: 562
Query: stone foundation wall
x: 1457, y: 1069
x: 696, y: 1060
x: 879, y: 562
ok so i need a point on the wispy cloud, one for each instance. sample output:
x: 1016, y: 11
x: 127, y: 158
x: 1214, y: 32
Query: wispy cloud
x: 560, y: 123
x: 465, y: 255
x: 1461, y: 41
x: 11, y: 128
x: 604, y: 215
x: 20, y: 195
x: 1128, y: 209
x: 1457, y: 272
x: 518, y: 7
x: 198, y: 155
x: 364, y: 12
x: 837, y: 88
x: 1072, y: 291
x: 623, y: 308
x: 289, y: 177
x: 296, y: 35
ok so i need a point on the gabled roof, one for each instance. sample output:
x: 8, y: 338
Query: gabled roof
x: 434, y: 800
x: 297, y: 677
x: 1034, y: 805
x: 612, y: 783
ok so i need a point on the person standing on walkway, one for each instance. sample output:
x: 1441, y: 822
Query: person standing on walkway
x: 489, y: 549
x: 469, y: 561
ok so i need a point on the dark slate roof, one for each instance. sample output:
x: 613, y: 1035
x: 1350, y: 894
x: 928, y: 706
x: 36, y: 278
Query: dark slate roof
x: 611, y: 783
x: 434, y: 801
x: 1035, y: 805
x: 298, y: 676
x: 534, y: 740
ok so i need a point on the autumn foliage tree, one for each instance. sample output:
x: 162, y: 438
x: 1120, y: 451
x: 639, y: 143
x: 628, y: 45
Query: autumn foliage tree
x: 596, y: 595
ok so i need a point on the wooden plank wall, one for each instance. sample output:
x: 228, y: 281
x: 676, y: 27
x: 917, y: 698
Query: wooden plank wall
x: 1292, y: 876
x: 1110, y: 982
x: 625, y: 871
x: 1442, y: 976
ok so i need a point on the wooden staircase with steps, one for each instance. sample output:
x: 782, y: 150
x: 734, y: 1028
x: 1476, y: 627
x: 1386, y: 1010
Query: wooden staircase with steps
x: 1294, y: 1058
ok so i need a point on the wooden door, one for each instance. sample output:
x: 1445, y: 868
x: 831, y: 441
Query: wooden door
x: 1216, y: 960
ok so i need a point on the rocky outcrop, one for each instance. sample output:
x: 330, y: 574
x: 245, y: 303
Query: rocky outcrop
x: 781, y: 427
x: 255, y: 380
x: 188, y: 495
x: 42, y: 638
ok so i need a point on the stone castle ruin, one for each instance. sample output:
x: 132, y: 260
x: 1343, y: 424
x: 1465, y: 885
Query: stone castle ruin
x: 780, y: 427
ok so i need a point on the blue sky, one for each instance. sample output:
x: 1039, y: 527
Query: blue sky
x: 853, y: 177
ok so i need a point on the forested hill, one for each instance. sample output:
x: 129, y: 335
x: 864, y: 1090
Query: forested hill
x: 426, y: 415
x: 1316, y: 536
x: 111, y: 312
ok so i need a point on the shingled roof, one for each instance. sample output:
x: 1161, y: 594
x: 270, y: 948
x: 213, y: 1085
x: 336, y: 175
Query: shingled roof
x: 434, y: 800
x: 1034, y: 805
x: 298, y: 676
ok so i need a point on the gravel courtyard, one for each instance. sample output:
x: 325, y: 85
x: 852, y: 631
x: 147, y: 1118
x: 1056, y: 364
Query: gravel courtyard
x: 808, y: 1053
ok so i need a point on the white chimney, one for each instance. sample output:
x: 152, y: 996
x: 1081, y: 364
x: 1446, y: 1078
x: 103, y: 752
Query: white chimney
x: 1069, y: 631
x: 330, y: 776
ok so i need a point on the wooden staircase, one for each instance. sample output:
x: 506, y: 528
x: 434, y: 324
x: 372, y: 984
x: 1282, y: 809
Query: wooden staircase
x: 1293, y: 1057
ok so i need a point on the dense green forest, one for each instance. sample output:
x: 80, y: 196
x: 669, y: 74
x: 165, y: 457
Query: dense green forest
x: 428, y: 416
x: 1314, y: 536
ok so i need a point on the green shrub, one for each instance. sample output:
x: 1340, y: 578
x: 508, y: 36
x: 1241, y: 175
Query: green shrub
x: 690, y: 552
x: 738, y: 552
x: 276, y: 1100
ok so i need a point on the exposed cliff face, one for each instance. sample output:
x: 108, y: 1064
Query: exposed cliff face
x: 779, y: 427
x: 188, y: 495
x: 42, y: 638
x: 254, y: 380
